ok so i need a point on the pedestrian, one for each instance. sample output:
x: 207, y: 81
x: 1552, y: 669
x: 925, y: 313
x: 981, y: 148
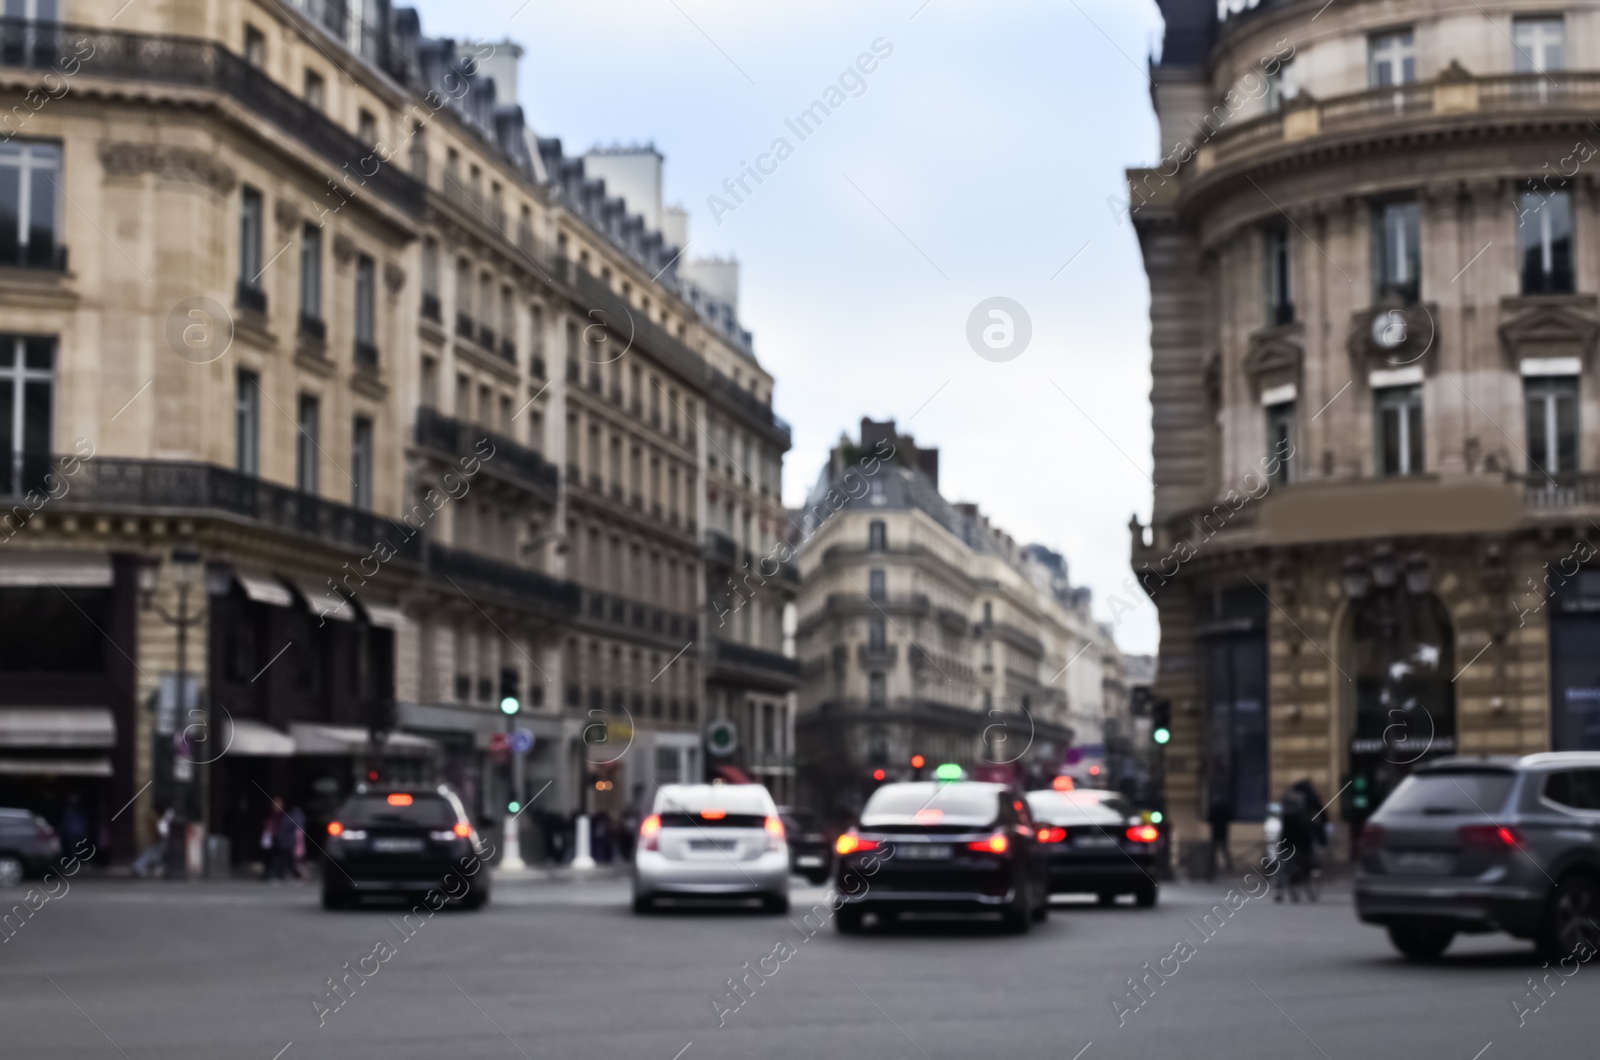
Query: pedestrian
x: 1300, y: 834
x: 150, y: 860
x: 271, y: 846
x: 283, y: 843
x: 600, y: 838
x: 628, y: 833
x: 74, y: 823
x: 297, y: 818
x: 1219, y: 813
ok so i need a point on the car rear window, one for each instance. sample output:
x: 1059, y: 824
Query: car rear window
x: 422, y: 811
x: 729, y: 798
x: 1079, y: 808
x: 1451, y: 793
x: 962, y: 804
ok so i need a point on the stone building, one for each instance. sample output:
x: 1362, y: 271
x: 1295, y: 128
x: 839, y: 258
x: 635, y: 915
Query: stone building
x: 1372, y: 334
x: 320, y: 363
x: 923, y: 629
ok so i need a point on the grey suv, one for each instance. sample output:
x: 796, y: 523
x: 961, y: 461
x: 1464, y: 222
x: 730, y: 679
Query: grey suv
x: 1486, y: 844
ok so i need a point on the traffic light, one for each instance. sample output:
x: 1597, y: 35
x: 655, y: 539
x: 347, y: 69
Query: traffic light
x: 510, y: 690
x: 917, y: 762
x: 1161, y: 721
x: 879, y: 775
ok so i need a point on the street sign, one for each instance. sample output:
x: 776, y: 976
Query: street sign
x: 522, y: 741
x: 722, y: 738
x: 499, y: 743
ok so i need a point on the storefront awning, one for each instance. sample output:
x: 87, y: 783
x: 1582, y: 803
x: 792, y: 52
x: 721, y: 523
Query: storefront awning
x: 325, y: 603
x: 254, y: 739
x: 57, y: 727
x: 80, y: 570
x: 384, y: 615
x: 352, y: 740
x: 264, y: 590
x: 55, y: 767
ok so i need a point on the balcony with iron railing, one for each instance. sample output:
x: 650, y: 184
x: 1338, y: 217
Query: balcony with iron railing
x: 507, y: 458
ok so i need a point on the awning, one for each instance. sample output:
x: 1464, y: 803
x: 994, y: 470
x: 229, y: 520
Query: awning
x: 57, y: 727
x: 82, y: 570
x: 55, y: 767
x: 264, y: 590
x: 352, y: 740
x: 325, y: 603
x: 254, y: 739
x: 384, y: 615
x: 734, y: 775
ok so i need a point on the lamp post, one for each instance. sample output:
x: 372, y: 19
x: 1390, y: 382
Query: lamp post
x: 186, y: 570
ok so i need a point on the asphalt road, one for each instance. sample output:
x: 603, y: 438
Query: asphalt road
x: 156, y: 971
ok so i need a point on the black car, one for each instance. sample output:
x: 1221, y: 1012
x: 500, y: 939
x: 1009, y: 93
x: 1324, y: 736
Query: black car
x: 810, y: 848
x: 1096, y: 843
x: 960, y: 847
x: 409, y: 843
x: 28, y: 846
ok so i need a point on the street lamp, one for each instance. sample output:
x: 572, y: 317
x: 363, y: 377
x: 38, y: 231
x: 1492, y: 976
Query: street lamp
x: 186, y: 568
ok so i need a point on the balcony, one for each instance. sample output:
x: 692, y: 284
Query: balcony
x: 195, y: 63
x: 366, y: 354
x: 313, y: 328
x: 46, y: 257
x: 752, y: 410
x: 880, y: 657
x: 464, y: 327
x: 530, y: 589
x: 486, y: 337
x: 250, y: 298
x: 508, y: 351
x: 721, y: 549
x: 174, y: 488
x: 430, y: 308
x: 457, y: 438
x: 731, y: 663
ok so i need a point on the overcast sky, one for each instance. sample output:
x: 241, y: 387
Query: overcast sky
x: 977, y: 162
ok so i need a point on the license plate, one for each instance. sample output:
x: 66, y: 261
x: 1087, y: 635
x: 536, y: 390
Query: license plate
x: 923, y: 851
x: 1102, y: 841
x: 711, y: 844
x: 808, y: 861
x: 1417, y: 863
x: 397, y: 846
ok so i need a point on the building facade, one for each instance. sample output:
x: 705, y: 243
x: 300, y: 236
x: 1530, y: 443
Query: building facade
x: 339, y: 405
x: 924, y: 630
x: 1372, y: 333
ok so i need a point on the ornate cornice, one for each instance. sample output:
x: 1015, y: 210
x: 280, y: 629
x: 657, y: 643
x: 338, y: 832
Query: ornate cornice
x: 125, y: 159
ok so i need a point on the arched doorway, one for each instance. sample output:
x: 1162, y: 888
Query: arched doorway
x: 1401, y: 665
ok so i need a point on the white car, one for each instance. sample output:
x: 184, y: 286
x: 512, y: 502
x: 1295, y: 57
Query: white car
x: 712, y: 840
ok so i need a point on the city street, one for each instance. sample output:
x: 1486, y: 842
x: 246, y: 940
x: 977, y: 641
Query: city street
x: 558, y: 969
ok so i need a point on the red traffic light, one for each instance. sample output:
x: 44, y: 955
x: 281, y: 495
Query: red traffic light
x: 917, y: 761
x: 878, y: 774
x: 372, y: 775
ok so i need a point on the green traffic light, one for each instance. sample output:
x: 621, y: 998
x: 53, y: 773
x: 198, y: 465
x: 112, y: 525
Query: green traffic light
x: 1161, y: 736
x: 510, y: 705
x: 1156, y: 817
x: 513, y: 806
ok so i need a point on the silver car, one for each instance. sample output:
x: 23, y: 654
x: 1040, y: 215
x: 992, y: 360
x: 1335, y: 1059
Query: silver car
x: 712, y: 840
x: 1487, y: 844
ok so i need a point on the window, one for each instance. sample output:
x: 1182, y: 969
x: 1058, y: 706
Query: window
x: 430, y: 267
x: 988, y: 612
x: 1280, y: 439
x: 247, y: 423
x: 1544, y: 235
x: 1552, y: 404
x: 1396, y: 253
x: 366, y: 310
x: 1391, y: 59
x: 1399, y: 423
x: 1538, y: 44
x: 251, y: 212
x: 430, y: 382
x: 29, y: 229
x: 27, y: 384
x: 316, y: 92
x: 877, y: 635
x: 877, y: 691
x: 1578, y: 789
x: 309, y: 420
x: 367, y: 128
x: 1281, y: 87
x: 361, y: 464
x: 877, y: 536
x: 255, y: 46
x: 1275, y: 256
x: 311, y: 273
x: 877, y: 585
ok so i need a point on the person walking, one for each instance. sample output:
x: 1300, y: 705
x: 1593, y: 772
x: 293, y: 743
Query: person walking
x: 297, y: 847
x: 1300, y: 834
x: 150, y: 860
x: 1219, y: 814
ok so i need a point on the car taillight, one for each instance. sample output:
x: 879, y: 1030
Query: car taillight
x: 1144, y: 833
x: 850, y: 843
x: 462, y: 829
x: 1493, y: 838
x: 995, y: 844
x: 1052, y: 835
x: 650, y: 831
x: 774, y: 827
x: 1370, y: 840
x: 335, y: 828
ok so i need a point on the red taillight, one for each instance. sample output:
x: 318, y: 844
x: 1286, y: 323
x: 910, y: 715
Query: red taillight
x: 995, y: 844
x: 399, y: 800
x: 1052, y: 835
x: 1493, y: 838
x: 774, y: 826
x: 462, y: 829
x: 1370, y: 840
x: 850, y: 843
x: 335, y: 828
x: 713, y: 815
x: 650, y: 831
x: 1144, y: 833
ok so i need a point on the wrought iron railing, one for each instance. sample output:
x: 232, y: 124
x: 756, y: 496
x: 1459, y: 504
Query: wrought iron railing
x: 435, y: 430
